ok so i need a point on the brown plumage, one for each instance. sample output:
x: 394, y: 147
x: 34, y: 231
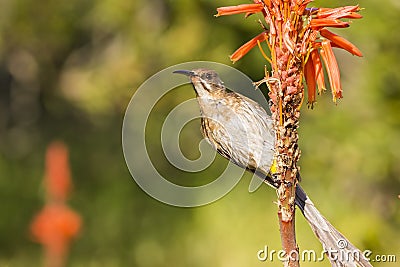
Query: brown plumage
x: 242, y: 131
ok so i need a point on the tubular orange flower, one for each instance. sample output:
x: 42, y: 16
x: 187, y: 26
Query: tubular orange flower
x: 340, y: 42
x: 245, y: 8
x: 340, y: 12
x: 320, y: 23
x: 332, y: 68
x: 352, y: 15
x: 309, y: 73
x: 244, y: 49
x: 319, y: 72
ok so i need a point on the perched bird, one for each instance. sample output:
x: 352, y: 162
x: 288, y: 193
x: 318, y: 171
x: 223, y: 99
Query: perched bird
x: 242, y: 131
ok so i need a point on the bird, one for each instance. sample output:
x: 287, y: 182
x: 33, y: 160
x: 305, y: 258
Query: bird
x: 241, y: 130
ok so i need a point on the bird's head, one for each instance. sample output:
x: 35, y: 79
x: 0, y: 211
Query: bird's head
x: 203, y: 80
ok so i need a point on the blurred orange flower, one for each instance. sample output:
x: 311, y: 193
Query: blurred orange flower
x: 54, y: 227
x: 57, y: 176
x: 56, y: 224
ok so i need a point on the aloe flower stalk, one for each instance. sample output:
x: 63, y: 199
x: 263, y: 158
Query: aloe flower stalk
x: 300, y: 47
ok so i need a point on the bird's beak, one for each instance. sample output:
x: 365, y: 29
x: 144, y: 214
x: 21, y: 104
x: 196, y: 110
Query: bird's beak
x: 185, y: 72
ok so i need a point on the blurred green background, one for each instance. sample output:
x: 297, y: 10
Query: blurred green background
x: 67, y: 72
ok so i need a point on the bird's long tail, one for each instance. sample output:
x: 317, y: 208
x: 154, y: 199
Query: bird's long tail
x: 336, y: 246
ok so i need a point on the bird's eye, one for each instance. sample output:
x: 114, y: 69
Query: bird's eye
x: 208, y: 76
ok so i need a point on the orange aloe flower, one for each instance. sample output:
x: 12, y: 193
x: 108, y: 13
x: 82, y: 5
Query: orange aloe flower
x: 54, y: 227
x: 302, y: 33
x: 319, y: 72
x: 56, y: 224
x: 340, y: 42
x: 310, y: 74
x: 57, y: 176
x: 245, y: 8
x: 332, y: 68
x: 239, y: 53
x: 321, y: 23
x: 340, y: 12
